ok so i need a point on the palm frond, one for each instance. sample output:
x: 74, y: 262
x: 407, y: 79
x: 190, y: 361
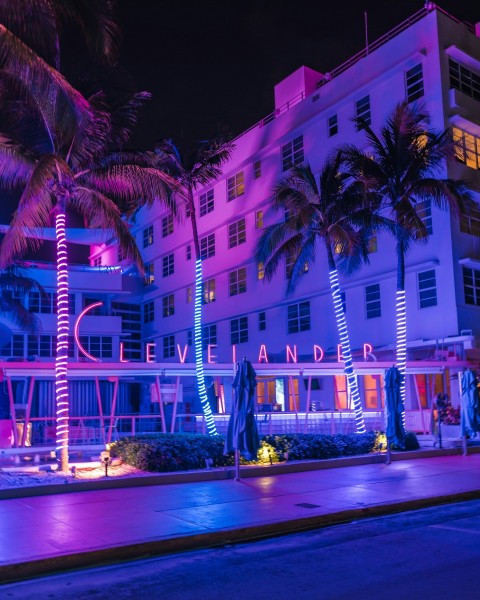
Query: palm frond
x: 99, y: 211
x: 133, y: 185
x: 34, y: 210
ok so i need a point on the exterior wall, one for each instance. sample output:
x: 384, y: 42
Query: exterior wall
x: 382, y: 76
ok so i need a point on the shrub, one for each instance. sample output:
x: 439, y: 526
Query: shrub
x: 186, y: 451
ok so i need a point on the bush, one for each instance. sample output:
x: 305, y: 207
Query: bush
x: 171, y: 452
x: 186, y: 451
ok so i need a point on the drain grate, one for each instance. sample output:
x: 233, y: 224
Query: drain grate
x: 308, y: 505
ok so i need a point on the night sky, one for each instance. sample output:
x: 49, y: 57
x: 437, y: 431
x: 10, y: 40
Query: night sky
x: 213, y: 64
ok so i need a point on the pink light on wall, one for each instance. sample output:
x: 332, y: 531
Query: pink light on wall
x: 76, y: 335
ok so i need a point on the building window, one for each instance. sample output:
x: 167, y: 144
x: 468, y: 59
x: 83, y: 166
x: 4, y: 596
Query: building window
x: 259, y: 219
x: 13, y: 348
x: 471, y: 286
x: 169, y: 346
x: 189, y: 294
x: 209, y: 291
x: 372, y: 301
x: 239, y: 330
x: 207, y: 246
x: 237, y: 233
x: 414, y: 83
x: 189, y: 337
x: 148, y: 236
x: 470, y: 223
x: 298, y: 317
x: 45, y: 304
x: 424, y: 213
x: 464, y: 80
x: 467, y: 148
x: 98, y: 310
x: 427, y: 289
x: 131, y: 315
x: 332, y: 125
x: 292, y: 153
x: 98, y: 346
x: 206, y: 203
x: 167, y: 226
x: 237, y: 281
x: 372, y: 244
x: 257, y: 169
x: 235, y: 186
x: 168, y: 265
x: 262, y: 321
x: 168, y: 303
x: 42, y: 345
x: 209, y: 335
x: 188, y: 252
x: 362, y: 111
x: 260, y: 270
x: 290, y: 260
x: 149, y: 274
x: 97, y: 261
x: 149, y: 312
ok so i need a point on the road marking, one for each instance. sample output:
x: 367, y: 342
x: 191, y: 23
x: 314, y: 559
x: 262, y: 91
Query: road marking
x: 455, y: 528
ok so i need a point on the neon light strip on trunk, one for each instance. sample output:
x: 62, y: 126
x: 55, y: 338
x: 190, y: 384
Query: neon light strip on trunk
x: 401, y: 310
x: 61, y: 385
x: 346, y: 351
x: 212, y: 430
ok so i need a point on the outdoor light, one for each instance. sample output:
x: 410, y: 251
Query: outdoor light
x: 106, y: 458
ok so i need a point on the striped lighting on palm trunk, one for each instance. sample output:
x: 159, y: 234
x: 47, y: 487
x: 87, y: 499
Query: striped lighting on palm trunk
x: 401, y: 310
x: 211, y: 428
x: 61, y: 384
x: 346, y: 352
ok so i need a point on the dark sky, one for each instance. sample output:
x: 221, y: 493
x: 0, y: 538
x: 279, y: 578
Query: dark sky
x: 212, y: 64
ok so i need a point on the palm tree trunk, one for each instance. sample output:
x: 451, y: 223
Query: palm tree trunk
x: 345, y: 343
x: 61, y: 384
x: 401, y: 319
x: 197, y: 324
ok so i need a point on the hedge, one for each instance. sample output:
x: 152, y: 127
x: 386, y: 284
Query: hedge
x: 188, y: 451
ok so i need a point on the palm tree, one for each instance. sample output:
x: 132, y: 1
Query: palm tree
x: 334, y: 214
x: 404, y: 164
x: 201, y: 170
x: 59, y: 151
x: 40, y: 23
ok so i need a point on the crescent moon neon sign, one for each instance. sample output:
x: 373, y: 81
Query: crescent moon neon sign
x: 86, y: 310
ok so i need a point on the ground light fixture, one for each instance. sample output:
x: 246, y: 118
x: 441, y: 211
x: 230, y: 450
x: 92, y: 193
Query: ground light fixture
x: 106, y: 458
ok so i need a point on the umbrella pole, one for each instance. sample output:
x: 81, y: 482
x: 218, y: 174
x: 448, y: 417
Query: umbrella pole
x: 388, y: 459
x: 237, y: 465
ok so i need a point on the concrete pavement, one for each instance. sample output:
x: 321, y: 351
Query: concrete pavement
x: 45, y: 533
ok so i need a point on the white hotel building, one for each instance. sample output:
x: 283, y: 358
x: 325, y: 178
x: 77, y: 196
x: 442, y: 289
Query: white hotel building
x: 432, y: 58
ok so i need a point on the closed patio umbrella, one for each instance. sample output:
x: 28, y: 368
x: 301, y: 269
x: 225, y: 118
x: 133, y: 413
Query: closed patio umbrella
x: 395, y: 431
x: 242, y: 435
x: 469, y: 407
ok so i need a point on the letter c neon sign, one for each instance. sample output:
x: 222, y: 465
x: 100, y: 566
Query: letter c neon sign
x: 77, y: 327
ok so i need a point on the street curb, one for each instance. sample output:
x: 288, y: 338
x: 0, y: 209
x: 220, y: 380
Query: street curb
x: 104, y: 556
x: 225, y: 473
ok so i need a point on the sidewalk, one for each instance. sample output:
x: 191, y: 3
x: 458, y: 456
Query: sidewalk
x: 40, y: 534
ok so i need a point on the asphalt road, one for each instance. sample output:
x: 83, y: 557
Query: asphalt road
x: 427, y: 554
